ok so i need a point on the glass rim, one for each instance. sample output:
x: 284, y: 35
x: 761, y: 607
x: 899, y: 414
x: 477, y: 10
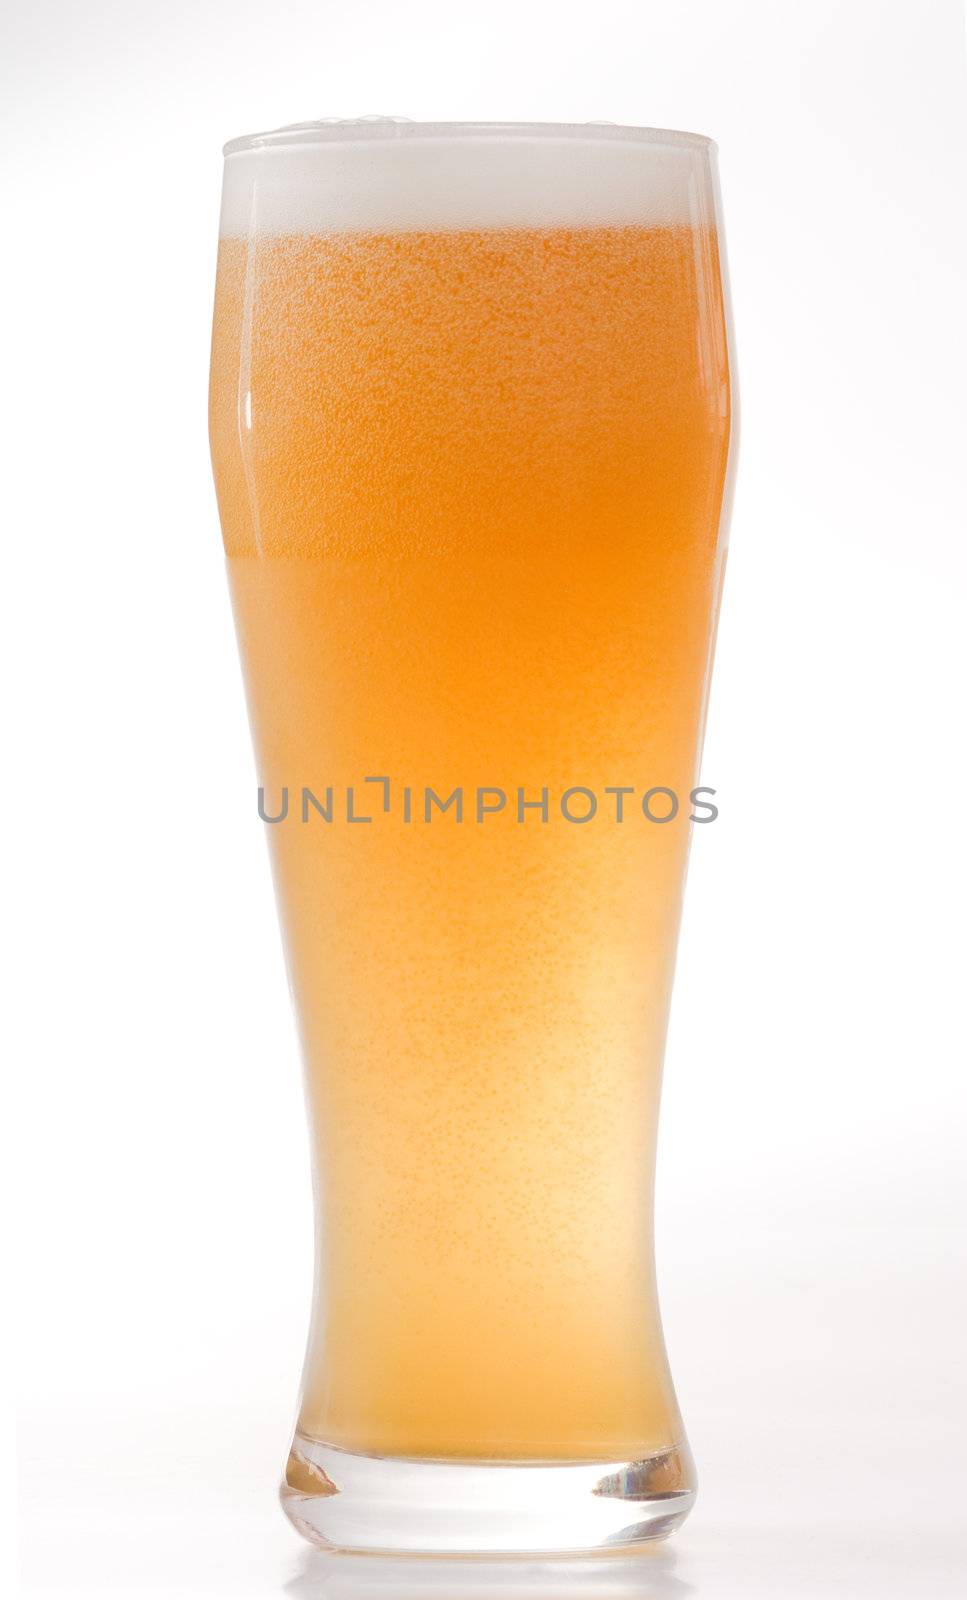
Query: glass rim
x: 373, y: 130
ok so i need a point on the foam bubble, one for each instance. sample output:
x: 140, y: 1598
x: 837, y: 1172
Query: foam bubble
x: 388, y: 175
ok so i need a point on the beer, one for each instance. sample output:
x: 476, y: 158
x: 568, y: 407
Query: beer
x: 470, y: 444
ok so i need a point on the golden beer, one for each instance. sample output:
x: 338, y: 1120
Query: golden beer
x: 470, y: 429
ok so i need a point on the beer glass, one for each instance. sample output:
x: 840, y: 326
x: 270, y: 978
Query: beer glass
x: 470, y: 423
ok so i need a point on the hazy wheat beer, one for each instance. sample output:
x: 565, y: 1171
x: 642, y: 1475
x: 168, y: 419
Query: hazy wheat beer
x: 470, y: 428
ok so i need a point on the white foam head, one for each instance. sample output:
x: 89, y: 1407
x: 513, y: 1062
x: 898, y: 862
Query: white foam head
x: 384, y: 174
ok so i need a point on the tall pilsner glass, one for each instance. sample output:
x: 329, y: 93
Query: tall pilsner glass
x: 470, y: 423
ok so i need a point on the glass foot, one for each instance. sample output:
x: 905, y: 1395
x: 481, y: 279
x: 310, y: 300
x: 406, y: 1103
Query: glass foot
x: 396, y: 1505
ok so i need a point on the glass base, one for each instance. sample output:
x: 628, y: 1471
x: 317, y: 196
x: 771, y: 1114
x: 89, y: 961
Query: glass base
x: 396, y: 1505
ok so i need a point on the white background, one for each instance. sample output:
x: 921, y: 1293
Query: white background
x: 811, y: 1176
